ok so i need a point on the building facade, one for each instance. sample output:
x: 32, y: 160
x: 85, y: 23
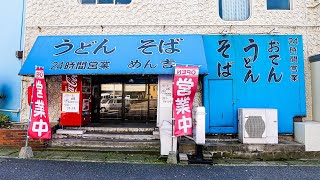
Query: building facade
x: 263, y: 21
x: 12, y: 36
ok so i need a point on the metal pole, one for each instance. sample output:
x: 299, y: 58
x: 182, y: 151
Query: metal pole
x: 172, y: 124
x: 148, y: 94
x: 172, y: 115
x: 29, y: 118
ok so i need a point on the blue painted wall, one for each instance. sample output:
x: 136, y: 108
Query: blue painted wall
x: 230, y: 59
x: 11, y: 36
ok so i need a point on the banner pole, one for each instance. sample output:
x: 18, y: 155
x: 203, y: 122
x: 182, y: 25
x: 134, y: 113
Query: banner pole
x: 172, y: 115
x: 172, y: 135
x: 27, y: 138
x: 26, y: 152
x: 29, y: 118
x: 172, y: 156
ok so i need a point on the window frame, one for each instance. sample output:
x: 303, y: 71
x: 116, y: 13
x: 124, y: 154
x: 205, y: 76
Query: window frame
x: 290, y: 6
x: 249, y: 17
x: 96, y: 3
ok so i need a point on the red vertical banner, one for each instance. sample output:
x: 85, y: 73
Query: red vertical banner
x: 184, y: 89
x: 39, y: 127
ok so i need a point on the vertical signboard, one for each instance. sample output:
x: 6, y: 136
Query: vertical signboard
x: 253, y: 71
x: 184, y: 90
x: 39, y: 127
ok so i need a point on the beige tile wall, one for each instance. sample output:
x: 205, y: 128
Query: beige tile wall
x: 68, y: 17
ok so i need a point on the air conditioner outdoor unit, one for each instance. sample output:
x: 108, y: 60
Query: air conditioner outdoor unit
x: 258, y: 126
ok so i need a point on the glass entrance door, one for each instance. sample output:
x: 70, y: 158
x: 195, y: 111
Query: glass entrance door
x: 132, y: 100
x: 111, y: 101
x: 143, y: 102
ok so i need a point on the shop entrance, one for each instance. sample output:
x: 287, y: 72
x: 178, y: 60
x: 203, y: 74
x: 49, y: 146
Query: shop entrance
x: 125, y: 99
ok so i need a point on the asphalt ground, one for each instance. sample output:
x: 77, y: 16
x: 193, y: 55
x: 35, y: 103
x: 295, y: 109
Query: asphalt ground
x: 52, y: 169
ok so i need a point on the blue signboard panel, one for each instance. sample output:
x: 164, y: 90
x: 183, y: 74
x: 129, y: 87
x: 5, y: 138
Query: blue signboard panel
x: 119, y: 54
x: 266, y: 71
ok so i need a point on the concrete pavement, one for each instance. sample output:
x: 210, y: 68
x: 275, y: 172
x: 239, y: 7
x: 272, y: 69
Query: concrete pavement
x: 143, y: 158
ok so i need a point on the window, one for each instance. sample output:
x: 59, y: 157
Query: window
x: 234, y: 10
x: 278, y: 4
x: 105, y: 1
x: 88, y: 2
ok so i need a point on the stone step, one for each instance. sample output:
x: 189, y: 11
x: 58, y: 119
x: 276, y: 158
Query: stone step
x: 227, y: 147
x: 230, y: 148
x: 153, y: 151
x: 238, y: 147
x: 70, y: 131
x: 89, y: 143
x: 209, y: 140
x: 114, y: 129
x: 92, y: 135
x: 233, y: 145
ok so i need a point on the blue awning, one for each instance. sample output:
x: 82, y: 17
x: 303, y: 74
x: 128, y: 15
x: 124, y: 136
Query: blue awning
x: 116, y: 54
